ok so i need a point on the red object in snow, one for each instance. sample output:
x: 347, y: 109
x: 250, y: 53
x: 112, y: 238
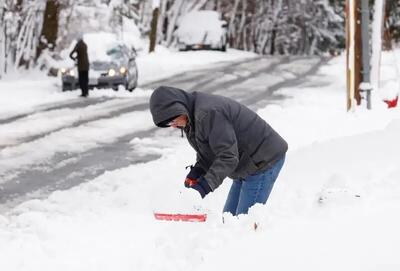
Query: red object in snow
x: 392, y: 103
x: 181, y: 217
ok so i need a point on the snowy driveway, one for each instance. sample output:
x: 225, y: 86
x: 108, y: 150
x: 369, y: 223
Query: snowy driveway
x: 75, y: 141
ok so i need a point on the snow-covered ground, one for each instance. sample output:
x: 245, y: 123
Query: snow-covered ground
x: 333, y: 207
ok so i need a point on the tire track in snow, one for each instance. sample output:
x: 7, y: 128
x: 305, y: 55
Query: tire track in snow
x: 298, y: 79
x: 66, y: 170
x: 20, y: 131
x: 72, y: 140
x: 72, y: 104
x: 199, y: 74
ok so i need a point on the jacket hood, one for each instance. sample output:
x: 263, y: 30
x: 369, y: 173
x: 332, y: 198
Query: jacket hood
x: 166, y: 103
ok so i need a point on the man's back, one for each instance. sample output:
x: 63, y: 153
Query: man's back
x: 82, y: 56
x: 258, y: 143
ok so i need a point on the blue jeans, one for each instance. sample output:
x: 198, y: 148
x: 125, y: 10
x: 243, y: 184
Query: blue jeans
x: 254, y: 189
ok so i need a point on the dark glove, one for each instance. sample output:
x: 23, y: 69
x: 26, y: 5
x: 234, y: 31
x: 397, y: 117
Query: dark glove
x: 200, y: 185
x: 195, y: 173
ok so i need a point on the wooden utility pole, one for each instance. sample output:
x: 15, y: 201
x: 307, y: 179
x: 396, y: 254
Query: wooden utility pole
x: 354, y: 52
x: 358, y: 53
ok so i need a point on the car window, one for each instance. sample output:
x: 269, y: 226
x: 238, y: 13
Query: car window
x: 115, y: 53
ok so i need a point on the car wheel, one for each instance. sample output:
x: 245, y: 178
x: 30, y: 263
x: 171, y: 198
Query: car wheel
x: 64, y: 87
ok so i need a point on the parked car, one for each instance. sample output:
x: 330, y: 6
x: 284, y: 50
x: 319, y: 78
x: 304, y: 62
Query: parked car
x: 202, y: 30
x: 112, y: 64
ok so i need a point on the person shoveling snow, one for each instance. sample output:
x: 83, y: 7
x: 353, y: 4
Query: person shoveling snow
x: 229, y: 139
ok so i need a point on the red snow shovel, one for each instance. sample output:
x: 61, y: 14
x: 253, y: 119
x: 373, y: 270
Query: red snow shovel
x: 181, y: 217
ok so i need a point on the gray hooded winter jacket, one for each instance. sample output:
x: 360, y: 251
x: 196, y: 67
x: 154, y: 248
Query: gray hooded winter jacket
x: 229, y: 139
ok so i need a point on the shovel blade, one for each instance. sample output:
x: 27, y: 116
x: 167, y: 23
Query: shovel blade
x: 181, y: 217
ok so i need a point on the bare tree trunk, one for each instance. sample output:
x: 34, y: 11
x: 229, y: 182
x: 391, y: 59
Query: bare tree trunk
x: 48, y: 37
x: 242, y: 24
x: 197, y: 6
x: 3, y: 58
x: 18, y: 10
x: 387, y: 36
x: 176, y: 9
x: 273, y: 39
x: 162, y: 20
x: 277, y: 9
x: 153, y: 31
x: 231, y: 26
x: 217, y: 5
x: 142, y: 8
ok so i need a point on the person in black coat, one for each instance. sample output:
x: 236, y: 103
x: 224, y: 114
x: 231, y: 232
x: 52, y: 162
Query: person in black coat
x: 79, y: 54
x: 230, y: 141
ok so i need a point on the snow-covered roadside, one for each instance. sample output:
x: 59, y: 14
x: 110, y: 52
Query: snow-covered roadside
x: 334, y: 206
x: 318, y: 113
